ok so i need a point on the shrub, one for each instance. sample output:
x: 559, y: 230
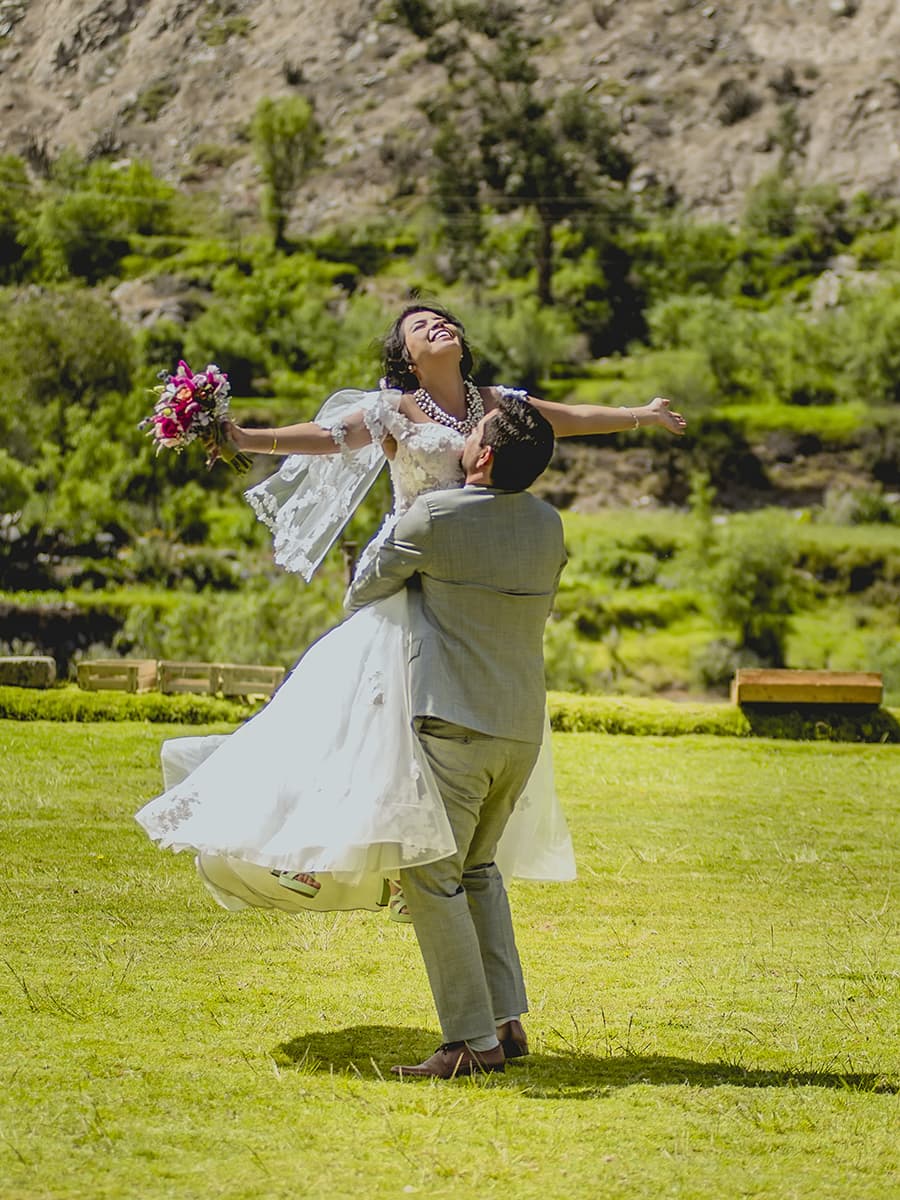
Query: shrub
x: 567, y: 665
x: 271, y: 620
x: 717, y: 448
x: 87, y: 212
x: 520, y: 343
x: 735, y: 100
x: 869, y: 332
x: 859, y: 506
x: 658, y: 718
x: 770, y: 207
x: 281, y: 313
x: 714, y: 664
x: 752, y: 587
x: 851, y: 560
x: 220, y: 20
x: 152, y: 99
x: 72, y: 704
x: 664, y: 718
x: 680, y: 257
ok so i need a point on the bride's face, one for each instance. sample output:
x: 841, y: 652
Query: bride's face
x: 429, y: 337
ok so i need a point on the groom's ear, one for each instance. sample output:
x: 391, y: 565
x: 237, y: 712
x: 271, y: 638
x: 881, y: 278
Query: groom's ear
x: 485, y: 457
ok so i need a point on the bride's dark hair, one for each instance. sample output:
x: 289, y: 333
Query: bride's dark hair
x: 395, y: 358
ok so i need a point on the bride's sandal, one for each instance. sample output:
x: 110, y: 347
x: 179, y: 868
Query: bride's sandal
x: 303, y: 883
x: 398, y: 909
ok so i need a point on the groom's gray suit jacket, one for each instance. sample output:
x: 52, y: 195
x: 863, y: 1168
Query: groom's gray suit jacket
x: 483, y: 566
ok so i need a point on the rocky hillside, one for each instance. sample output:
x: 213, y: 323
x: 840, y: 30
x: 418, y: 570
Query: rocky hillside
x: 701, y: 88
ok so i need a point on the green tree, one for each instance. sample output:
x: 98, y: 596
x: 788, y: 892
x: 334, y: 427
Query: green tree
x: 752, y: 586
x: 503, y: 138
x: 69, y: 421
x: 675, y: 256
x: 868, y: 333
x: 278, y: 316
x: 15, y: 203
x: 287, y: 141
x: 60, y: 353
x: 770, y: 206
x: 522, y: 340
x: 87, y: 212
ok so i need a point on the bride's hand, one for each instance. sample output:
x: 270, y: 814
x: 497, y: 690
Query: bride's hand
x: 673, y: 421
x: 235, y: 435
x: 214, y: 444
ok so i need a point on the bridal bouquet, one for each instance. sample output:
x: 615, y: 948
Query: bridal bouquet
x: 191, y: 408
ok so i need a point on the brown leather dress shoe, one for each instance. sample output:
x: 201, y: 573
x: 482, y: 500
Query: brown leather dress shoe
x: 453, y: 1060
x: 513, y: 1040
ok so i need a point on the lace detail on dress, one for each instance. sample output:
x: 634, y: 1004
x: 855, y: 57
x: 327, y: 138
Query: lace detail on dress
x: 309, y: 500
x: 338, y: 433
x: 167, y: 820
x: 427, y: 459
x: 375, y: 423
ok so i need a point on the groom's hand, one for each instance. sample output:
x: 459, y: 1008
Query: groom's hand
x: 397, y: 561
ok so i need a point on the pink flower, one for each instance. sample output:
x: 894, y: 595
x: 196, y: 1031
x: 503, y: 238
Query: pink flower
x: 167, y: 428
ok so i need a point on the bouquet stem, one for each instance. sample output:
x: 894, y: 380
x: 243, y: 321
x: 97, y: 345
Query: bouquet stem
x: 218, y: 447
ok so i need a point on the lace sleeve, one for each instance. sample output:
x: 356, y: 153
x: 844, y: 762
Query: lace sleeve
x: 310, y: 499
x: 513, y: 393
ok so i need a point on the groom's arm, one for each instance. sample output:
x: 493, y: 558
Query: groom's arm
x: 404, y: 553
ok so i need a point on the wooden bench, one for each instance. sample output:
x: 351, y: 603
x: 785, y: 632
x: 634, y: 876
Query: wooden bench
x: 239, y: 679
x: 176, y: 677
x: 762, y: 685
x: 117, y: 675
x: 229, y: 679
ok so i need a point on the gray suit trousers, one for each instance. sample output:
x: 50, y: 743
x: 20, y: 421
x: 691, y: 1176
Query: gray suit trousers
x: 458, y: 905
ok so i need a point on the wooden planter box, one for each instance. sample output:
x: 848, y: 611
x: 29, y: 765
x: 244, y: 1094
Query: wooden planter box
x: 779, y: 686
x: 118, y: 675
x: 188, y: 676
x: 238, y: 679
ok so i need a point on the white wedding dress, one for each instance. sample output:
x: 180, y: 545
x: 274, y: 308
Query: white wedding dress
x: 329, y: 777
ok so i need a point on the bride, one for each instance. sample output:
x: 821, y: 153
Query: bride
x: 324, y: 795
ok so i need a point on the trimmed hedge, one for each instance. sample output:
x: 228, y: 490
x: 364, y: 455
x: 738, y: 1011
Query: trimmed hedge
x: 568, y: 714
x: 72, y: 704
x: 665, y: 718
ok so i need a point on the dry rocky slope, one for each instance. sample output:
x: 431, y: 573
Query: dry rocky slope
x: 159, y: 78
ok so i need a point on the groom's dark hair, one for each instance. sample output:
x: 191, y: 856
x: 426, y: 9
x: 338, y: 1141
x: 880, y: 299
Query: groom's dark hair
x: 522, y: 441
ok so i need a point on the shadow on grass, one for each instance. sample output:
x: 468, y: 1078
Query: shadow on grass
x: 369, y: 1051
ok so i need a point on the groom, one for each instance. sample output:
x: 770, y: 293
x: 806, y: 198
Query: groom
x: 482, y: 563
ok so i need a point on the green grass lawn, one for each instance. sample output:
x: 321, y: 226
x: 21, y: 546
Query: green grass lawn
x: 714, y: 1002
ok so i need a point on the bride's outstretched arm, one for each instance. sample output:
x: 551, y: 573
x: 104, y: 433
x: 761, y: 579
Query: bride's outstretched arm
x: 304, y: 438
x: 573, y: 420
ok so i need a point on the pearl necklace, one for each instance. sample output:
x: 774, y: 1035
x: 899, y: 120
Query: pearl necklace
x: 464, y: 425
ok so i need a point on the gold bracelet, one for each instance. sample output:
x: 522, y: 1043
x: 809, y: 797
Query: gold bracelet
x: 274, y: 444
x: 634, y: 418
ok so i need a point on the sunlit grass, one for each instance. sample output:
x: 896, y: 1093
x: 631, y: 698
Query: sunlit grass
x: 714, y: 1002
